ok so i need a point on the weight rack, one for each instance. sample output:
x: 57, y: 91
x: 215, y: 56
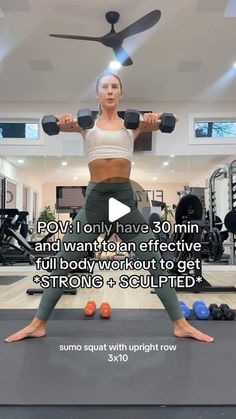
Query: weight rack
x: 229, y: 172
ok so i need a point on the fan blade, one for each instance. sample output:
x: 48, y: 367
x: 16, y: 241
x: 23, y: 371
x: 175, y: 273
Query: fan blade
x: 140, y: 25
x: 122, y: 56
x: 85, y: 38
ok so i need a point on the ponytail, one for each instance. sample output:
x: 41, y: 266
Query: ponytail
x: 99, y: 109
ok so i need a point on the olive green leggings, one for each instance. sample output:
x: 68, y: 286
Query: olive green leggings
x: 95, y: 210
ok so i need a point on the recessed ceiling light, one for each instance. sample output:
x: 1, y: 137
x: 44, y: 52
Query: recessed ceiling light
x: 75, y: 178
x: 20, y: 161
x: 115, y: 65
x: 40, y: 65
x: 132, y: 163
x: 165, y: 163
x: 154, y: 178
x: 64, y: 163
x: 189, y: 65
x: 172, y: 155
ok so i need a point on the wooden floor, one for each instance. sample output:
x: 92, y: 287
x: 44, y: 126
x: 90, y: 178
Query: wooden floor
x: 14, y: 295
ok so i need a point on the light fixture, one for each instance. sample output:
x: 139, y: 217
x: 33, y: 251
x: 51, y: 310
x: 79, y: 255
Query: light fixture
x: 115, y: 65
x: 154, y: 178
x: 165, y: 163
x: 75, y: 178
x: 172, y: 155
x: 64, y: 163
x: 20, y: 161
x: 132, y: 163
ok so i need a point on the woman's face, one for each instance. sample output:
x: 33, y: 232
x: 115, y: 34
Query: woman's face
x: 109, y: 91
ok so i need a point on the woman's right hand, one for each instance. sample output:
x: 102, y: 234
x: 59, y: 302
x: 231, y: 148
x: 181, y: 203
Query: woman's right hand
x: 66, y: 121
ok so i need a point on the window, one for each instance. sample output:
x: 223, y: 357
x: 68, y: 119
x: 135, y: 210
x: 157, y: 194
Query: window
x: 35, y: 206
x: 216, y: 129
x: 25, y: 198
x: 2, y: 192
x: 18, y: 129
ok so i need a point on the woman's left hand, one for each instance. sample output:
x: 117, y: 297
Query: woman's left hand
x: 151, y: 118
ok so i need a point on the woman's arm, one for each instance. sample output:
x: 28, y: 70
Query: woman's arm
x: 150, y: 122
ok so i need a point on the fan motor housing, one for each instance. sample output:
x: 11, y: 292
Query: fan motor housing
x: 111, y: 40
x: 112, y: 17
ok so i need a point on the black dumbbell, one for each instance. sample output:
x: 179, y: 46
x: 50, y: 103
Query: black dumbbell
x: 168, y: 122
x: 227, y: 312
x: 215, y: 311
x: 84, y: 119
x: 133, y: 118
x: 223, y: 306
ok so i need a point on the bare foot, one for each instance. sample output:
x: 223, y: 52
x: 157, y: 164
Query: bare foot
x: 182, y: 329
x: 30, y: 331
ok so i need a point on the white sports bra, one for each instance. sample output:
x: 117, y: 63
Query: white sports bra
x: 109, y: 144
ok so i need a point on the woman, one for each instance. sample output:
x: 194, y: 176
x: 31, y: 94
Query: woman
x: 109, y: 152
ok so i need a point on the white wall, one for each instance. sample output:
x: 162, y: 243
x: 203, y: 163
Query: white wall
x: 18, y: 177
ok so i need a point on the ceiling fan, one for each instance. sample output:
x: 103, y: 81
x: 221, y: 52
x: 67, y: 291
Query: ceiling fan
x: 115, y: 39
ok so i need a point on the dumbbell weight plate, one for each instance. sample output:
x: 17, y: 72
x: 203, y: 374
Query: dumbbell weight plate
x: 212, y: 307
x: 223, y: 306
x: 131, y: 119
x: 215, y: 244
x: 49, y: 124
x: 230, y: 221
x: 167, y: 122
x: 85, y: 118
x: 201, y: 310
x: 217, y: 314
x: 229, y: 314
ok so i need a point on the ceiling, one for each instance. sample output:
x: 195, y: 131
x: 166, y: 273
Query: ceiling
x: 187, y: 56
x: 145, y: 169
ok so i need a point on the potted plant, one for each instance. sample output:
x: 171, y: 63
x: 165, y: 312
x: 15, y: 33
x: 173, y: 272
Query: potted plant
x: 47, y: 214
x: 166, y: 212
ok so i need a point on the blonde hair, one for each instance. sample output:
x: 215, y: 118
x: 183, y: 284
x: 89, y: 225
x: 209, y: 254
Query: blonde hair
x: 106, y: 73
x: 99, y: 109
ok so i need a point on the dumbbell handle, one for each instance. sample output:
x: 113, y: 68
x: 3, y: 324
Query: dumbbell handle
x: 166, y: 121
x: 51, y: 124
x: 75, y: 121
x: 159, y: 120
x: 141, y: 117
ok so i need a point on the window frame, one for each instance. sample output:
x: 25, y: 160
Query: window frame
x: 22, y: 118
x: 27, y: 189
x: 211, y: 117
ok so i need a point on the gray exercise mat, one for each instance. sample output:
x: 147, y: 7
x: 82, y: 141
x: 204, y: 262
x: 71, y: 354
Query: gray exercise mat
x: 36, y: 371
x: 10, y: 279
x: 118, y: 412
